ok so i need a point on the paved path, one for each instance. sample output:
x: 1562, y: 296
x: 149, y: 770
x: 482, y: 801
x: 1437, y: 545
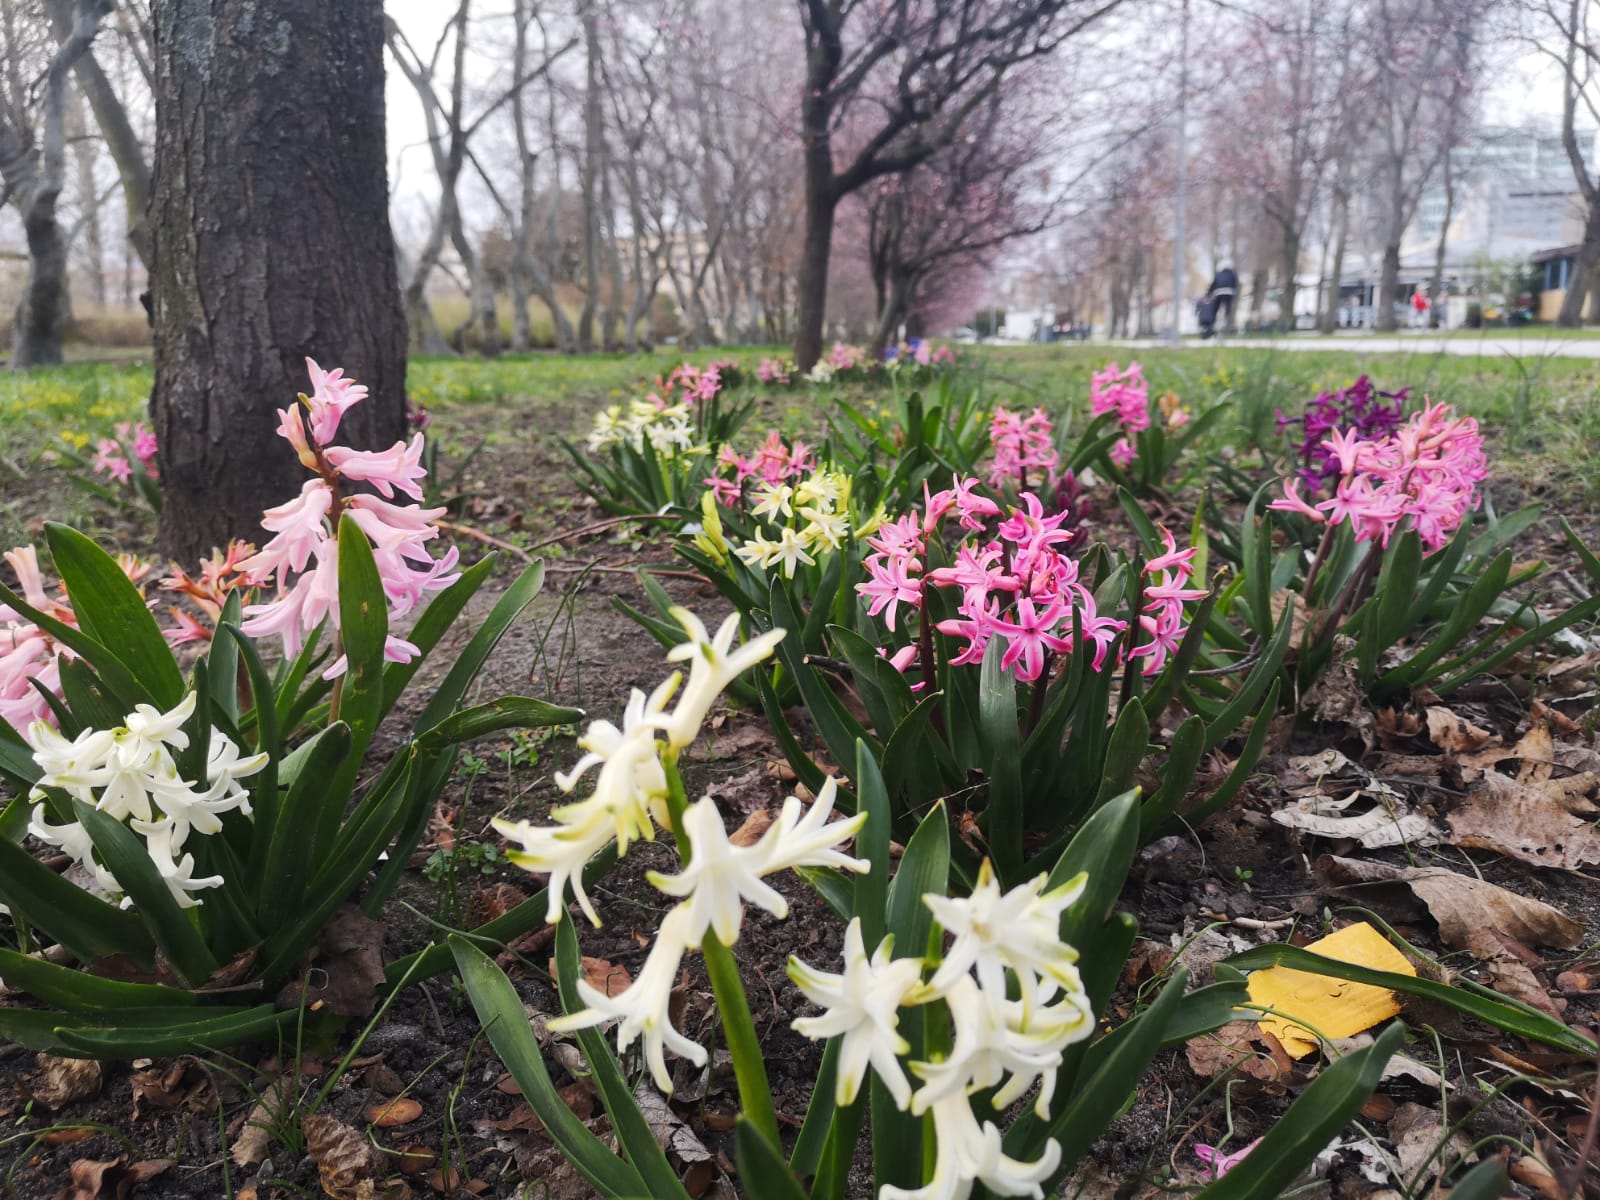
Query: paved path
x: 1533, y: 344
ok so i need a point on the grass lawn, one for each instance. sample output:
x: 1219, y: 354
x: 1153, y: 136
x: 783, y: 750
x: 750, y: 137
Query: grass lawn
x: 1542, y: 413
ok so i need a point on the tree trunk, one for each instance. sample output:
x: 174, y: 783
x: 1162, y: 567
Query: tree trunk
x: 94, y: 250
x: 424, y: 326
x: 271, y: 239
x: 891, y: 311
x: 1330, y: 311
x: 124, y: 145
x: 41, y: 317
x: 1571, y: 315
x: 1436, y: 286
x: 1388, y: 285
x: 1286, y: 296
x: 589, y: 176
x: 41, y: 314
x: 822, y: 205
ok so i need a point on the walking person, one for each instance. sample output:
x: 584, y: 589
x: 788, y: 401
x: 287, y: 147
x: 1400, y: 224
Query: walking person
x: 1419, y: 310
x: 1224, y: 287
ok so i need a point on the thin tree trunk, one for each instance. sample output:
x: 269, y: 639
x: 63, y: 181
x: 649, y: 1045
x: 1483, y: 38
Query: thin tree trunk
x: 1583, y: 270
x: 1330, y: 312
x: 1286, y: 294
x: 254, y: 269
x: 1436, y: 286
x: 126, y: 149
x: 593, y: 165
x: 1388, y: 285
x: 94, y: 250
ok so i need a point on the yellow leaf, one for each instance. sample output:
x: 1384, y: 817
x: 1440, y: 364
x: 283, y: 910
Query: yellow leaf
x: 1335, y: 1008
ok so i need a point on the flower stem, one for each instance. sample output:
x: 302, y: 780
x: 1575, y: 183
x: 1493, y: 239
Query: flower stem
x: 677, y: 802
x: 755, y: 1093
x: 926, y: 660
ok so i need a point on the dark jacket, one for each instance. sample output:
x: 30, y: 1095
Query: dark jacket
x: 1225, y: 283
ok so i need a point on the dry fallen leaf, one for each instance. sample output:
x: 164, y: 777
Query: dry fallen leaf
x: 1515, y: 979
x: 1417, y: 1133
x: 413, y: 1160
x: 749, y: 833
x: 695, y: 1164
x: 1463, y: 906
x: 1338, y: 696
x: 1242, y: 1047
x: 1381, y: 825
x: 253, y: 1140
x: 1453, y: 733
x: 349, y: 953
x: 62, y: 1080
x: 349, y: 1166
x: 111, y: 1180
x: 609, y: 978
x: 390, y: 1113
x: 1525, y: 822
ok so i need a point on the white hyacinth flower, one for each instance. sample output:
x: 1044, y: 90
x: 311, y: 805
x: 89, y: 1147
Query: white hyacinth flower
x: 643, y: 1009
x: 714, y: 663
x: 561, y: 852
x: 993, y: 1040
x: 1019, y: 929
x: 631, y: 785
x: 772, y: 500
x: 721, y: 877
x: 971, y: 1153
x: 77, y: 765
x: 145, y: 730
x: 177, y: 874
x: 862, y: 1004
x: 129, y: 774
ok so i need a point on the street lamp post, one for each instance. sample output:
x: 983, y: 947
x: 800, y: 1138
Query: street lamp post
x: 1183, y: 179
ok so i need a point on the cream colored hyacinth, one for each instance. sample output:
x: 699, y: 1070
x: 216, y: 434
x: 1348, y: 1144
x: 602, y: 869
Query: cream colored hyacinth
x: 630, y: 788
x: 667, y: 428
x: 1010, y: 1044
x: 130, y: 774
x: 806, y: 519
x: 629, y: 801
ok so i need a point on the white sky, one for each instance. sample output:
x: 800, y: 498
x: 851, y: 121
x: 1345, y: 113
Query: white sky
x: 1525, y: 88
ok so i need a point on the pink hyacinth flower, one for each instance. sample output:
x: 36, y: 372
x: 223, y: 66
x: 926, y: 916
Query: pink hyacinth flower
x: 399, y: 467
x: 331, y: 395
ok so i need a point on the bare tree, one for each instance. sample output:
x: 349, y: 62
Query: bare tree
x: 953, y: 212
x: 1562, y: 31
x: 1426, y: 51
x: 127, y: 149
x: 887, y: 84
x: 33, y: 166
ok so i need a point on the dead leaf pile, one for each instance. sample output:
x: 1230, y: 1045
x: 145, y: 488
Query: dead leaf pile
x: 1333, y: 797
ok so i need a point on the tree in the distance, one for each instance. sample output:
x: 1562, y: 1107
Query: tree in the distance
x: 271, y: 242
x: 902, y: 77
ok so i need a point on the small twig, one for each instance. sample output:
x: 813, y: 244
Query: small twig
x: 658, y: 572
x: 601, y: 527
x: 1572, y: 1176
x: 487, y: 538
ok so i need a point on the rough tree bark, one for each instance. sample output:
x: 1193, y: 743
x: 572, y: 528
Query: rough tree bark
x: 271, y: 240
